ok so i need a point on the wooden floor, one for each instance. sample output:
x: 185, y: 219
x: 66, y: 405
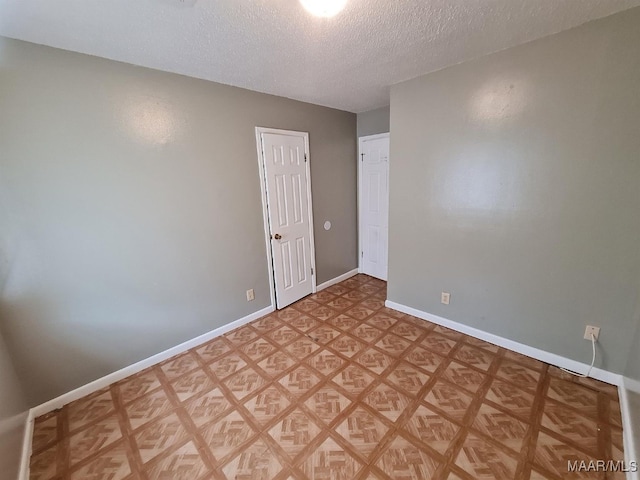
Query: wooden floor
x: 335, y: 387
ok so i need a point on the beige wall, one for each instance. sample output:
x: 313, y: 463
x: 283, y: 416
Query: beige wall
x: 373, y: 122
x: 13, y: 411
x: 130, y: 211
x: 515, y: 186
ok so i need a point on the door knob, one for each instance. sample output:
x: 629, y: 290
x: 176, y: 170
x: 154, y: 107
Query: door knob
x: 277, y: 236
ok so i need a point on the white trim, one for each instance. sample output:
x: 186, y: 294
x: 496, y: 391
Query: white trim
x: 542, y: 355
x: 265, y: 200
x: 628, y: 426
x: 338, y: 279
x: 265, y: 218
x: 146, y: 363
x: 121, y: 374
x: 361, y: 140
x: 27, y: 442
x: 312, y: 237
x: 624, y: 384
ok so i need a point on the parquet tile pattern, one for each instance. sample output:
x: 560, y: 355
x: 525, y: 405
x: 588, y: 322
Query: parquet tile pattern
x: 335, y: 387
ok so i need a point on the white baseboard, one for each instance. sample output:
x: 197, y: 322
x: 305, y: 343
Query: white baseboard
x: 141, y: 365
x: 27, y: 441
x: 624, y: 384
x: 630, y: 425
x: 338, y: 279
x: 121, y: 374
x: 542, y: 355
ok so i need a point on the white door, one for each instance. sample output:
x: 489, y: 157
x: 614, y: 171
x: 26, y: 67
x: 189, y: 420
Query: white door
x: 373, y: 205
x: 286, y: 176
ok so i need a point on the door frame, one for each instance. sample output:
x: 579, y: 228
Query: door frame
x: 264, y: 192
x: 361, y: 140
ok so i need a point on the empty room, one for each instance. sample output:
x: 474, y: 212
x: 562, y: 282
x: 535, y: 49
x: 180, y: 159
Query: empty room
x: 319, y: 239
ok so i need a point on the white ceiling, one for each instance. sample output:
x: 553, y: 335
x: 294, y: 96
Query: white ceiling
x: 275, y: 46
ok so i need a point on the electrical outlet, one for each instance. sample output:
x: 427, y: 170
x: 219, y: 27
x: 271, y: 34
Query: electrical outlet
x: 591, y: 330
x: 250, y: 295
x: 445, y: 298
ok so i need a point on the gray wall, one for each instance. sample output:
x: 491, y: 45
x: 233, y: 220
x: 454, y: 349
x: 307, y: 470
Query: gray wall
x: 633, y: 363
x: 130, y: 211
x: 13, y: 412
x: 515, y: 186
x: 373, y: 122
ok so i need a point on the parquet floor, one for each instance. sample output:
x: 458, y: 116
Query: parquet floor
x: 335, y: 387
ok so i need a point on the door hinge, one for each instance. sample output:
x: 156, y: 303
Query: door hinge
x: 305, y: 157
x: 311, y: 270
x: 362, y: 254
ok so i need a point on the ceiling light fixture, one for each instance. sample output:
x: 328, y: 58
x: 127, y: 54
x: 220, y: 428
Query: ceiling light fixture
x: 323, y: 8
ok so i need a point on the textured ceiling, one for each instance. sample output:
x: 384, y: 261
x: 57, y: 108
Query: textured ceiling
x: 275, y: 46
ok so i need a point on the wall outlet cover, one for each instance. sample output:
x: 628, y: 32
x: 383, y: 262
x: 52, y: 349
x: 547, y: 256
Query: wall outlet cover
x: 591, y: 330
x: 445, y: 298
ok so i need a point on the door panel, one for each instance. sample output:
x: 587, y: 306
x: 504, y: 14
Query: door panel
x: 374, y: 206
x: 289, y: 216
